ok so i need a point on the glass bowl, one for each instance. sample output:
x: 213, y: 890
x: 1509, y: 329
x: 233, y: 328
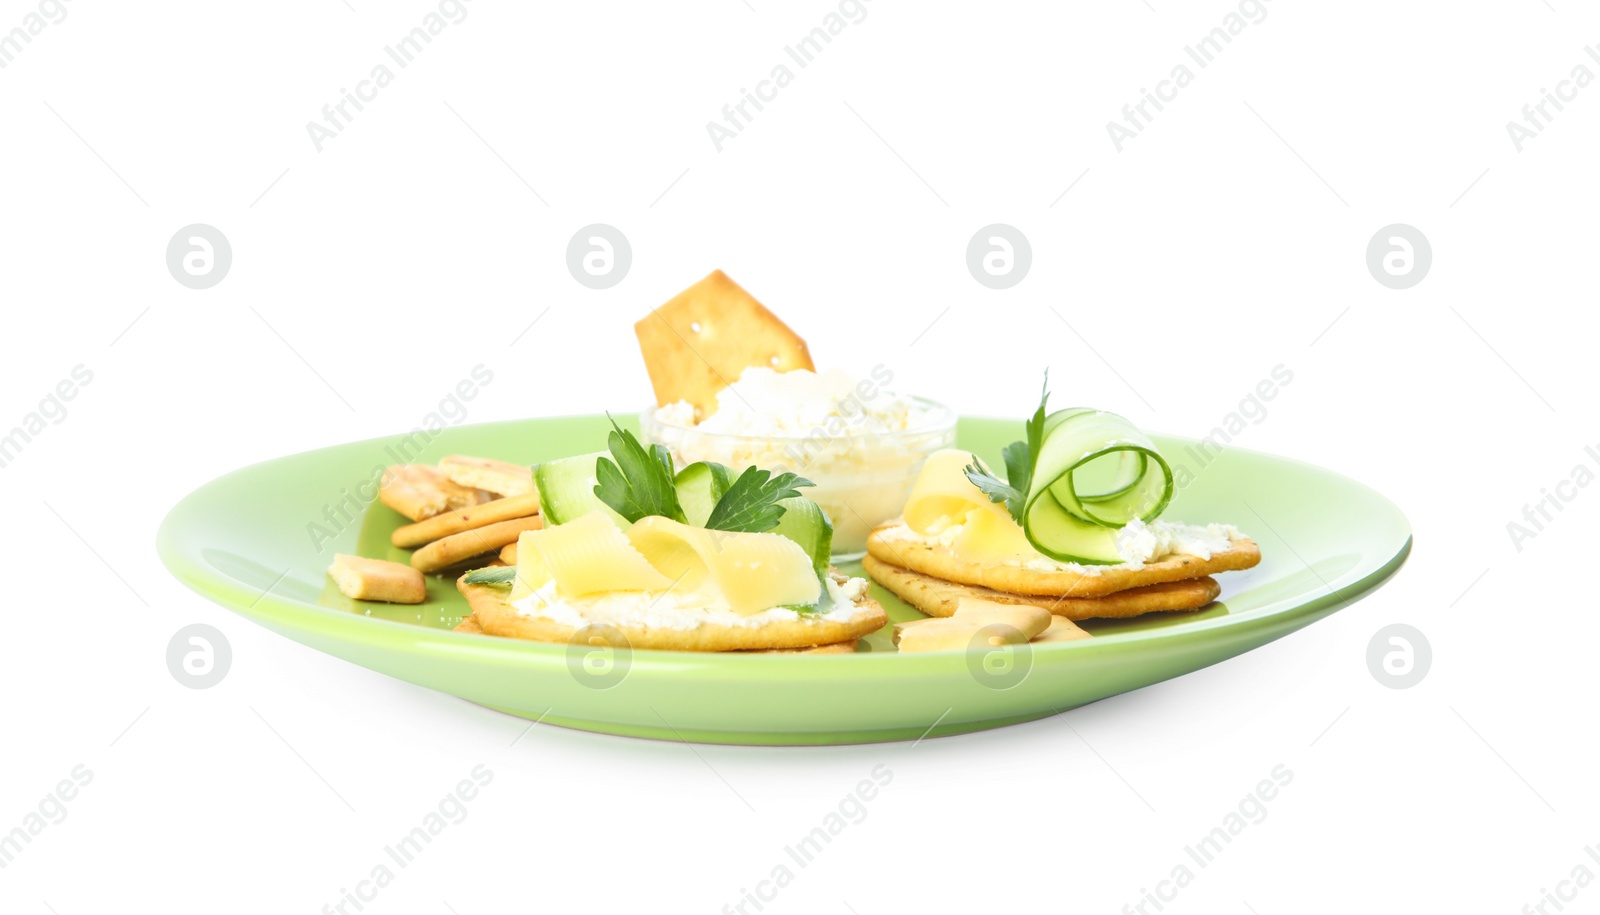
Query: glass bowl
x: 863, y: 477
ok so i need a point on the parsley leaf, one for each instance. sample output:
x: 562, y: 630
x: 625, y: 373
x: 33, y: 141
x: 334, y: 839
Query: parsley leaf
x: 1020, y: 458
x: 1016, y: 460
x: 639, y: 482
x: 750, y: 504
x: 996, y: 489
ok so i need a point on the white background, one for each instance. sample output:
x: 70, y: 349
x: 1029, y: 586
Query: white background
x: 1221, y: 242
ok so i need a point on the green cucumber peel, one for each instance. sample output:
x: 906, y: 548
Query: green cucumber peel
x: 495, y: 575
x: 701, y: 486
x: 1079, y: 477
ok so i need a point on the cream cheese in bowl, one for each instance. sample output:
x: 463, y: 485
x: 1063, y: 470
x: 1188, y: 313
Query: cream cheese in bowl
x: 862, y: 445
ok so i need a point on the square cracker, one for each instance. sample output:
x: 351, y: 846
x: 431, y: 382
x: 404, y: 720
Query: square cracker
x: 419, y: 492
x: 502, y: 478
x: 703, y: 340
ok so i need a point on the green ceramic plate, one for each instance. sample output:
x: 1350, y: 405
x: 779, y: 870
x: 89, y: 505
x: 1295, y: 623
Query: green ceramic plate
x: 258, y: 541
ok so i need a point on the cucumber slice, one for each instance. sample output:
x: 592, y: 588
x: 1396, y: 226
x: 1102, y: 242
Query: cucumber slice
x: 806, y: 524
x: 1094, y: 473
x: 699, y: 487
x: 1069, y: 539
x: 566, y: 489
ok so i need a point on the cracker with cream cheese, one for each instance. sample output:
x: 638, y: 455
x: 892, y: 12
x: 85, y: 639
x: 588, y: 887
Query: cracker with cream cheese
x: 937, y: 597
x: 898, y: 545
x: 495, y: 616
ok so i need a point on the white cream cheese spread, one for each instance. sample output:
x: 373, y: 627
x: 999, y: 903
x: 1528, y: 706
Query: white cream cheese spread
x: 1139, y: 543
x: 676, y: 609
x: 861, y: 446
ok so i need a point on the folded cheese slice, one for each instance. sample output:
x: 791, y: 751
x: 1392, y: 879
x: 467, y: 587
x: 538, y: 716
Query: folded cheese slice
x: 592, y: 555
x: 588, y: 555
x: 753, y: 572
x: 943, y: 497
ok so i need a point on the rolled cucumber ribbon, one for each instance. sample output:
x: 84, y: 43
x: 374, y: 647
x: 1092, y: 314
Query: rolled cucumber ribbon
x: 1095, y: 472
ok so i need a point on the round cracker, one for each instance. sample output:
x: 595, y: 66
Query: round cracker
x: 926, y: 555
x: 937, y: 597
x: 495, y: 616
x: 469, y: 624
x: 846, y: 647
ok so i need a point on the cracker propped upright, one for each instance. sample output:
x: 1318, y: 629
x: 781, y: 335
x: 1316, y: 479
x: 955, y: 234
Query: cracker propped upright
x: 703, y: 340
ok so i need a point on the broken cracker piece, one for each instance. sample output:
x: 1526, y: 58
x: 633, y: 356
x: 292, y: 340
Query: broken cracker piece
x: 420, y: 492
x: 1061, y: 630
x: 706, y: 336
x: 377, y: 580
x: 952, y: 634
x: 502, y: 478
x: 1029, y: 620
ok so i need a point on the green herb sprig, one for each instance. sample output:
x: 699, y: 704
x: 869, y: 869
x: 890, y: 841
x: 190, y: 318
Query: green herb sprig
x: 750, y: 504
x: 1020, y: 459
x: 639, y: 482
